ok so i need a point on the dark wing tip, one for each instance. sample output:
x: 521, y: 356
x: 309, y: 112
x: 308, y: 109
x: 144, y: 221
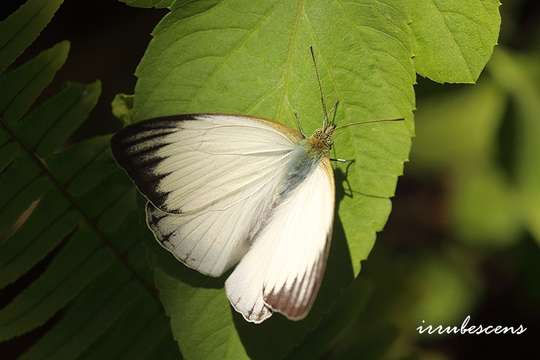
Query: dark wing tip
x: 140, y: 165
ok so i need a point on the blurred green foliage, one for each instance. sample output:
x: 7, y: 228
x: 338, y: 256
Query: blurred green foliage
x: 486, y: 139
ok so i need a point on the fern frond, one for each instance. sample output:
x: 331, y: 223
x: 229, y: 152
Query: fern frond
x: 19, y: 30
x: 71, y: 202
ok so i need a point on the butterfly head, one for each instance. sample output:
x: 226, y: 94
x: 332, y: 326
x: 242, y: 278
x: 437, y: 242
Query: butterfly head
x: 321, y: 141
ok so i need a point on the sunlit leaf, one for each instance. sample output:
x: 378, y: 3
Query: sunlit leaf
x: 454, y: 38
x: 252, y: 57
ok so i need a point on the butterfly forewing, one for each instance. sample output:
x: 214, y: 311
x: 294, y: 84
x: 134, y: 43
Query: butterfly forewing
x: 212, y: 241
x: 189, y: 163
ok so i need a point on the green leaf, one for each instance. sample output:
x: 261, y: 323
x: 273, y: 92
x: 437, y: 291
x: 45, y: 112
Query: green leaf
x: 205, y: 307
x: 339, y: 321
x: 20, y: 87
x: 81, y: 205
x: 139, y: 332
x: 454, y: 39
x: 22, y: 27
x: 149, y: 3
x: 57, y: 118
x: 273, y: 76
x: 104, y: 302
x: 253, y: 58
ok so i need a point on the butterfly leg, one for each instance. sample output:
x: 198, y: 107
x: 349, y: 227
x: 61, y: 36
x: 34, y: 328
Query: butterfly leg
x: 342, y: 160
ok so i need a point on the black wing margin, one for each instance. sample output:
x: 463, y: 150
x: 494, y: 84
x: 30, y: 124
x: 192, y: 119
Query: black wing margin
x: 135, y: 149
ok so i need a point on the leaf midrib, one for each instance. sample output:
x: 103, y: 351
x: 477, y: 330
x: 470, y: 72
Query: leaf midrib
x: 24, y: 26
x: 293, y: 37
x: 121, y: 258
x: 452, y: 36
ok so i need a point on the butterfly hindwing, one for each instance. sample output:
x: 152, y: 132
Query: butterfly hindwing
x: 284, y: 268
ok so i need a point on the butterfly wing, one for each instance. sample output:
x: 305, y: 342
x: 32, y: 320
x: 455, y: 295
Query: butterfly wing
x: 283, y: 269
x: 204, y: 175
x: 188, y: 163
x: 212, y: 241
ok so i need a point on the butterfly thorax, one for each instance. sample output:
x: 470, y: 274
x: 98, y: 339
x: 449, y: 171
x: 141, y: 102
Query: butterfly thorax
x: 320, y: 143
x: 304, y: 158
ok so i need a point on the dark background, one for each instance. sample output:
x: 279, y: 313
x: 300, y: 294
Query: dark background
x: 107, y: 41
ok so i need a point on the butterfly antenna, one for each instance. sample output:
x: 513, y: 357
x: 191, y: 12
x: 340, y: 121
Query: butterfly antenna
x: 369, y: 122
x: 335, y: 112
x: 325, y: 122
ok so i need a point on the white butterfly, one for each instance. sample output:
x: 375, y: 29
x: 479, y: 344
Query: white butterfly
x: 228, y: 189
x: 224, y: 189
